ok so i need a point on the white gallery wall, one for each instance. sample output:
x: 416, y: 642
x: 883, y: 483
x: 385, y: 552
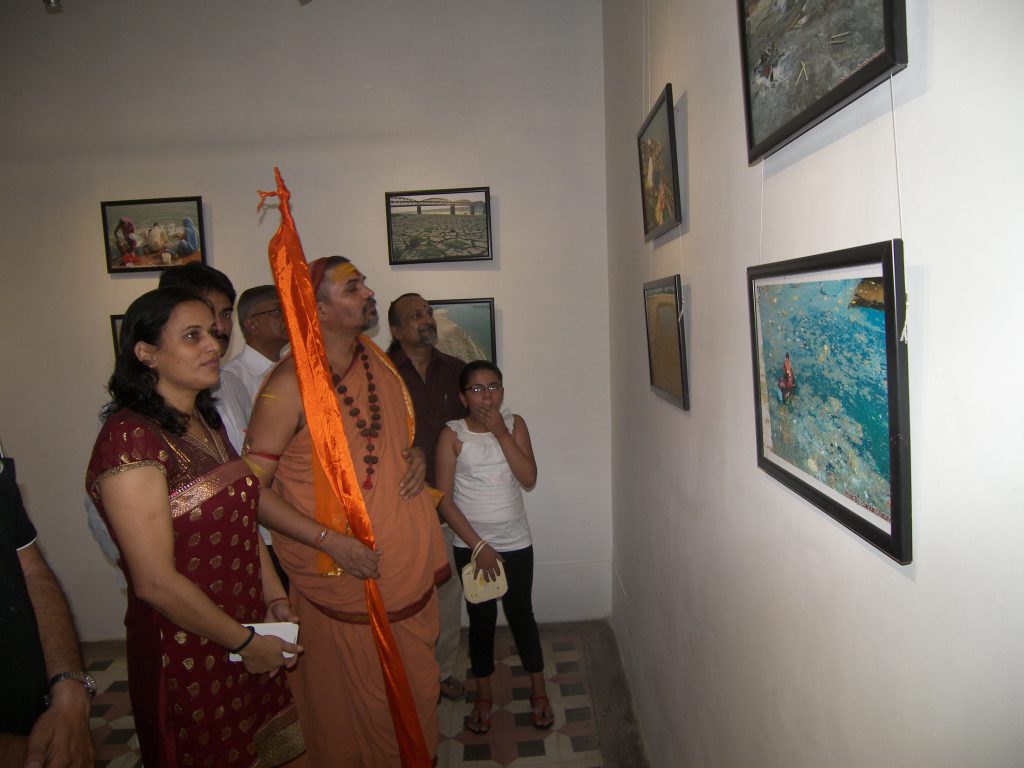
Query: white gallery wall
x: 128, y: 99
x: 757, y: 631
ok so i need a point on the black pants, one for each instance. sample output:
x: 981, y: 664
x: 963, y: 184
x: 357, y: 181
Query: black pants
x: 518, y: 606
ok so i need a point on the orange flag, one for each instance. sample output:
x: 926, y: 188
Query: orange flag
x: 291, y: 275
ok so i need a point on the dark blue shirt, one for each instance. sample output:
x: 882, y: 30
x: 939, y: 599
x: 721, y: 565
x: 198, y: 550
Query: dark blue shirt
x: 24, y: 674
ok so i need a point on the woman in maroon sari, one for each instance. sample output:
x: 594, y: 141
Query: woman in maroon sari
x: 182, y: 508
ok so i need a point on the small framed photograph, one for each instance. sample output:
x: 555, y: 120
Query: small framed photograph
x: 830, y: 386
x: 465, y: 328
x: 804, y: 61
x: 666, y: 341
x: 150, y: 235
x: 659, y: 168
x: 438, y: 225
x: 116, y: 321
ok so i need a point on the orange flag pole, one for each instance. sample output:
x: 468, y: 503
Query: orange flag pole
x: 291, y: 275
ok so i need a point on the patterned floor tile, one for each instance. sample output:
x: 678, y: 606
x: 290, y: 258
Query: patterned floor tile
x: 513, y: 742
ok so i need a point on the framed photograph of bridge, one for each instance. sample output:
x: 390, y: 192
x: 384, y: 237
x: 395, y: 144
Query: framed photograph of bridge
x: 831, y: 396
x: 436, y: 225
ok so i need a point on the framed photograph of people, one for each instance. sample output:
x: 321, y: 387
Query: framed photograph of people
x: 666, y: 341
x: 465, y: 328
x: 830, y: 386
x: 115, y: 331
x: 156, y: 234
x: 804, y: 61
x: 659, y: 168
x: 437, y: 225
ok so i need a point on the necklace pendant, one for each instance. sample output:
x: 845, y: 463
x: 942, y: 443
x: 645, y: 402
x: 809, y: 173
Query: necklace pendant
x: 367, y: 484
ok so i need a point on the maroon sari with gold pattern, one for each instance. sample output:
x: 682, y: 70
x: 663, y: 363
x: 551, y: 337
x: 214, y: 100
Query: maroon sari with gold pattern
x: 192, y: 706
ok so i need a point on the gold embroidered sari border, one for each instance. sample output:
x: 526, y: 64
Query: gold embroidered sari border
x: 125, y: 467
x: 206, y: 487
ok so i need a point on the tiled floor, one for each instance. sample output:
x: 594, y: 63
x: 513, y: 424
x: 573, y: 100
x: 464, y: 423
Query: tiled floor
x: 594, y: 724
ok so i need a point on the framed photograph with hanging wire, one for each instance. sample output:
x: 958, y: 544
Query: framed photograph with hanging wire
x: 831, y: 398
x: 666, y: 341
x: 659, y: 168
x: 804, y: 61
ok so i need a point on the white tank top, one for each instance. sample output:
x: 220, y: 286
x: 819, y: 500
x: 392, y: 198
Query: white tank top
x: 486, y: 490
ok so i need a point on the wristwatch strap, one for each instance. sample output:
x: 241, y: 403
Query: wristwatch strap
x: 84, y: 678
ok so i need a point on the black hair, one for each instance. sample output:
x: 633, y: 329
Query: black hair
x: 395, y: 344
x: 132, y: 384
x: 198, y: 279
x: 393, y: 308
x: 251, y: 297
x: 477, y: 365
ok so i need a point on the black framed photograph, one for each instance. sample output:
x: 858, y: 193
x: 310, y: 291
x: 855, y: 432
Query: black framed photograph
x: 437, y: 225
x: 155, y: 234
x: 830, y: 386
x: 659, y: 168
x: 666, y: 341
x: 804, y: 61
x: 116, y: 321
x: 465, y: 328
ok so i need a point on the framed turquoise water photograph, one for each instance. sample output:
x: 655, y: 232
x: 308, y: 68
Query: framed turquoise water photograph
x: 831, y: 397
x: 465, y: 328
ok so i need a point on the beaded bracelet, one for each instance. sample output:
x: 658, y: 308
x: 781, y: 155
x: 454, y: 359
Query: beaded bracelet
x: 245, y: 643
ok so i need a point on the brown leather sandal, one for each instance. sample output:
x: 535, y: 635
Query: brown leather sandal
x: 543, y: 716
x: 479, y: 720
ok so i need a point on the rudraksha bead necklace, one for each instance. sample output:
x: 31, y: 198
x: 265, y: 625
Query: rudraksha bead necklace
x: 367, y: 429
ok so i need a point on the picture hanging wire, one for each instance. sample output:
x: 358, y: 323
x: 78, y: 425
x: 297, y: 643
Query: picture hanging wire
x: 896, y: 157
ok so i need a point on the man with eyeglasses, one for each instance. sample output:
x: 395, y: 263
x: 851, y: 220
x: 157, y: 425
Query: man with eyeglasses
x: 259, y: 317
x: 432, y: 378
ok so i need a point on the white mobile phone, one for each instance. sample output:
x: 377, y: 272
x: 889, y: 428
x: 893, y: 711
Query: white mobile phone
x: 286, y: 630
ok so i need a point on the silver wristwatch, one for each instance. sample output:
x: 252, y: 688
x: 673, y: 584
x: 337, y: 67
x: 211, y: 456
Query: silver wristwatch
x: 87, y: 681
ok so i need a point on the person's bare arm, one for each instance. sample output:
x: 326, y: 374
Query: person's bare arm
x: 61, y: 735
x: 137, y: 506
x: 445, y: 459
x: 276, y: 416
x: 279, y: 607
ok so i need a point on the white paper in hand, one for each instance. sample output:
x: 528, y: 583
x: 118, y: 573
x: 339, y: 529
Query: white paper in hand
x: 286, y: 630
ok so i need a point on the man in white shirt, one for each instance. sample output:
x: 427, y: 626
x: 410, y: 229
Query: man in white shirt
x: 259, y: 317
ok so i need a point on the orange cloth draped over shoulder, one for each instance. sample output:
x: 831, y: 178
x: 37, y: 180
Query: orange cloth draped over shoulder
x: 331, y: 452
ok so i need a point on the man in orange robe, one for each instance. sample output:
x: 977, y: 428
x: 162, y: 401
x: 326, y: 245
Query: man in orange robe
x: 338, y: 685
